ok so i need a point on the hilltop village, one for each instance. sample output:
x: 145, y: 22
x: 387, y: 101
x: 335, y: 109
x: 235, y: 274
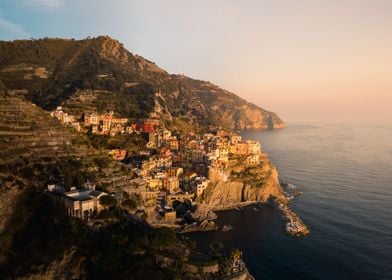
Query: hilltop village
x: 176, y: 168
x: 169, y: 175
x: 119, y: 157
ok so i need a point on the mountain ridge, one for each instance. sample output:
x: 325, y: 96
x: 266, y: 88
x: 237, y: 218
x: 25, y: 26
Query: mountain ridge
x: 67, y: 72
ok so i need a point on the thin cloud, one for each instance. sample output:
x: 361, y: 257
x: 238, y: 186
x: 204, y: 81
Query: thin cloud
x: 44, y: 4
x: 11, y: 30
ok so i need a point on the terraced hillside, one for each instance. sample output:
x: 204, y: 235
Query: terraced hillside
x: 36, y: 149
x: 99, y: 74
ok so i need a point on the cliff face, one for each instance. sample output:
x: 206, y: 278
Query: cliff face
x: 216, y: 106
x: 257, y: 185
x: 271, y: 188
x: 100, y: 74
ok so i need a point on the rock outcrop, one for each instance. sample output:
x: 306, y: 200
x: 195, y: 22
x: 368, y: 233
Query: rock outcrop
x: 199, y: 226
x: 258, y: 185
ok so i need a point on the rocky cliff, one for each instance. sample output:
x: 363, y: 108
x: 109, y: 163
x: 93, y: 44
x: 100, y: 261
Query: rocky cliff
x: 100, y: 74
x: 245, y: 185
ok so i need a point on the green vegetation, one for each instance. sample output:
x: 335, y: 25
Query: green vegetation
x: 39, y: 233
x: 108, y: 201
x: 254, y: 176
x: 134, y: 102
x: 81, y: 140
x: 42, y: 51
x: 129, y: 142
x: 99, y: 74
x: 130, y: 202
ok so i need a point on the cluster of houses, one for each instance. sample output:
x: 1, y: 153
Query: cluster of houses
x: 177, y: 167
x: 66, y: 118
x: 173, y: 173
x: 183, y: 166
x: 106, y: 123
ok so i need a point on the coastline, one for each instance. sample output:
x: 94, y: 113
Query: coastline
x: 232, y: 206
x: 292, y: 223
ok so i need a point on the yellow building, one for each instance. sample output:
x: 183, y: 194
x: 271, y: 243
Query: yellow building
x: 236, y: 139
x: 170, y: 217
x: 223, y: 154
x: 171, y: 184
x: 239, y: 149
x: 253, y: 160
x: 155, y: 184
x: 254, y: 147
x: 121, y: 121
x: 91, y: 119
x: 174, y: 145
x: 174, y: 171
x: 107, y: 122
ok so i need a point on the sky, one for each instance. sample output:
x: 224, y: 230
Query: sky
x: 307, y: 60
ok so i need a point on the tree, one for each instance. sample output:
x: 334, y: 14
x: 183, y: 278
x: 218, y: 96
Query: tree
x: 236, y: 255
x: 130, y: 203
x: 107, y: 201
x: 78, y: 180
x: 67, y: 181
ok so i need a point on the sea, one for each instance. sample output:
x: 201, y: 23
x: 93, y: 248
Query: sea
x: 345, y: 174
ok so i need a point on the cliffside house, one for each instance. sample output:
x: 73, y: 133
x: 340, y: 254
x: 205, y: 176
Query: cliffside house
x: 253, y: 160
x: 107, y: 122
x: 91, y: 119
x: 80, y: 203
x: 254, y: 147
x: 173, y: 143
x: 155, y: 183
x: 201, y: 183
x: 236, y: 139
x: 239, y: 148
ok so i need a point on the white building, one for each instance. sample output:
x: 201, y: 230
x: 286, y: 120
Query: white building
x: 82, y: 203
x: 201, y: 185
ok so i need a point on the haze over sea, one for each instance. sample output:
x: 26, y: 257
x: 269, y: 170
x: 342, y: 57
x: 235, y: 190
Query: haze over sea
x: 345, y: 173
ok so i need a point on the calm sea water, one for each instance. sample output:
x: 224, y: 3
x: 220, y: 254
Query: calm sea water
x: 345, y: 173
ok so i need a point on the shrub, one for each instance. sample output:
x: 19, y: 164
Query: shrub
x: 108, y: 201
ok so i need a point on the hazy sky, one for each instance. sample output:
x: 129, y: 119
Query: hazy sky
x: 304, y: 59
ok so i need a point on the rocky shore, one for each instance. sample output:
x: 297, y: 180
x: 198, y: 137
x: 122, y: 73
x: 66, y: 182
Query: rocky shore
x: 205, y: 225
x: 293, y: 224
x: 243, y: 191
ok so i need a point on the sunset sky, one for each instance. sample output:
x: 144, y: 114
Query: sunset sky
x: 313, y: 60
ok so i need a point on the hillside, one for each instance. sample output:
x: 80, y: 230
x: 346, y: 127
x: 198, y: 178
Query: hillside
x: 36, y: 148
x: 38, y: 240
x: 100, y: 74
